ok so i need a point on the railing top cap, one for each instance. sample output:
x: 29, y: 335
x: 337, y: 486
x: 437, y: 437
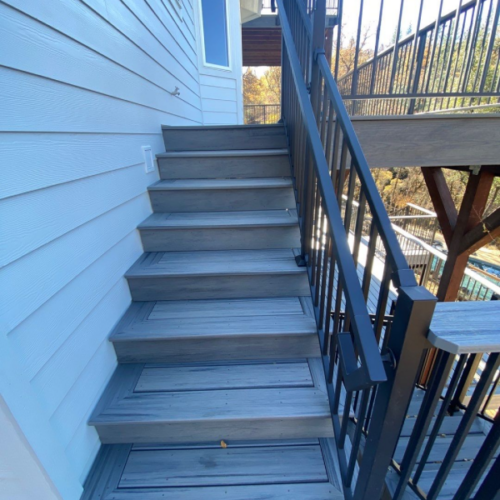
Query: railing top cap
x: 466, y: 327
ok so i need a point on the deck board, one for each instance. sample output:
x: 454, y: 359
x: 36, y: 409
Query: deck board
x: 214, y: 318
x: 234, y: 401
x: 229, y: 184
x: 256, y: 470
x: 215, y: 263
x: 202, y: 378
x: 192, y: 220
x: 466, y: 327
x: 224, y: 467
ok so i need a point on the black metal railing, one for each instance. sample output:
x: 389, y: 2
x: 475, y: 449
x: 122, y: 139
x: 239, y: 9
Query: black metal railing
x: 428, y: 264
x: 416, y: 220
x: 370, y: 368
x: 452, y: 62
x: 261, y: 113
x: 416, y: 235
x: 462, y: 389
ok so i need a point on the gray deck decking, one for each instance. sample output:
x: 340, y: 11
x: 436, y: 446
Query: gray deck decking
x: 475, y: 438
x: 253, y: 470
x: 220, y: 344
x: 204, y: 402
x: 220, y: 392
x: 207, y: 330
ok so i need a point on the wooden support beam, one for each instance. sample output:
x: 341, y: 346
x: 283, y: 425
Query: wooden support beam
x: 454, y: 227
x: 482, y: 234
x: 469, y: 216
x: 442, y: 200
x: 429, y: 140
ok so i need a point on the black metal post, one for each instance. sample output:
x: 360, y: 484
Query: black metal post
x: 407, y: 342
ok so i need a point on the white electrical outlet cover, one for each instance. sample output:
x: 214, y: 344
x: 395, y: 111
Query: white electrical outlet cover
x: 148, y: 159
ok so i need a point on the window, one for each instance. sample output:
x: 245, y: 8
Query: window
x: 215, y: 41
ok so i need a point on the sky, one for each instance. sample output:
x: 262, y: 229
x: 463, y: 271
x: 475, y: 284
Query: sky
x: 371, y: 12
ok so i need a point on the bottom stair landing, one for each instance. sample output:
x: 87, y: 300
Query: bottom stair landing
x: 252, y: 470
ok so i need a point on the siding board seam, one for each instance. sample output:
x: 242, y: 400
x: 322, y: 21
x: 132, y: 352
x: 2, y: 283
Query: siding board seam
x: 173, y: 17
x: 89, y: 221
x: 151, y: 33
x: 86, y: 89
x: 173, y: 75
x: 70, y: 181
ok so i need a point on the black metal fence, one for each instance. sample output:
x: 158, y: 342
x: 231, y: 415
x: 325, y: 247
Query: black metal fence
x: 372, y: 315
x: 460, y: 388
x: 261, y: 113
x: 452, y: 62
x: 370, y: 369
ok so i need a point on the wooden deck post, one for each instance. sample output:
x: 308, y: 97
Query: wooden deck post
x: 456, y: 226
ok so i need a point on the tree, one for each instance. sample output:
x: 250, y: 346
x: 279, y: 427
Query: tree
x: 252, y: 88
x: 263, y: 90
x: 272, y: 83
x: 347, y: 51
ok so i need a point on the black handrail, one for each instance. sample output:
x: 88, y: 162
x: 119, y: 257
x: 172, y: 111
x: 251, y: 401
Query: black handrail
x: 371, y: 370
x: 370, y: 363
x: 402, y: 276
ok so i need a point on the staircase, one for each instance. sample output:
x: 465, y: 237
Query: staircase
x: 220, y: 391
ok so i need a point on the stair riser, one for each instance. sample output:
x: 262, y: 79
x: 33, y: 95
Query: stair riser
x: 209, y: 430
x: 251, y: 238
x: 224, y: 167
x: 219, y: 287
x: 218, y: 349
x: 221, y: 200
x: 224, y: 139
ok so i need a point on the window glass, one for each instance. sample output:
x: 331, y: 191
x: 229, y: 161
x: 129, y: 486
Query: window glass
x: 215, y: 32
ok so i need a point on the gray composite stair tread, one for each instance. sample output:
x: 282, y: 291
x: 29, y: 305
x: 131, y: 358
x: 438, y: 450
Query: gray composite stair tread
x: 225, y: 137
x: 229, y: 152
x: 204, y: 378
x: 302, y: 491
x: 221, y: 184
x: 254, y: 126
x: 176, y: 404
x: 224, y: 164
x: 222, y: 194
x: 194, y: 220
x: 215, y: 318
x: 217, y: 404
x: 231, y: 466
x: 258, y: 470
x: 234, y: 443
x: 216, y: 263
x: 208, y: 330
